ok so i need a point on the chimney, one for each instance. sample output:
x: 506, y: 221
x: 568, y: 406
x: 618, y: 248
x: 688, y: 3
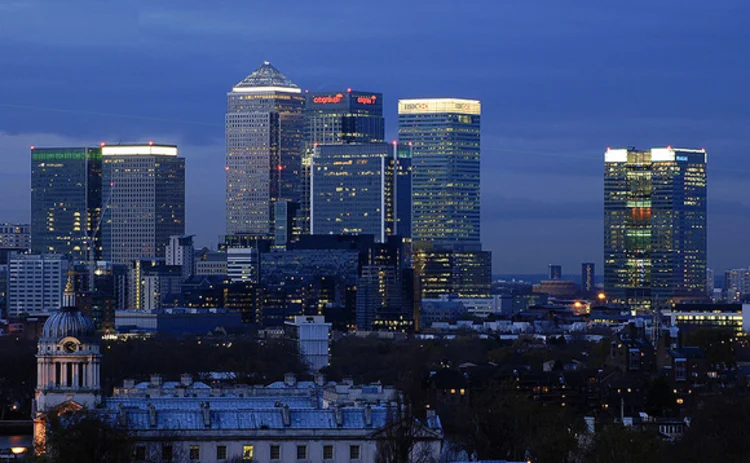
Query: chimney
x: 320, y: 379
x: 151, y: 415
x: 339, y: 414
x: 186, y: 379
x: 286, y: 415
x: 206, y: 409
x: 290, y: 379
x: 368, y: 416
x: 128, y: 383
x: 156, y: 380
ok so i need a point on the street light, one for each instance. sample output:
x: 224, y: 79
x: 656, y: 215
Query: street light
x: 601, y: 296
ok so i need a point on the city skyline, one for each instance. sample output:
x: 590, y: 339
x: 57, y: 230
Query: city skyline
x: 545, y: 122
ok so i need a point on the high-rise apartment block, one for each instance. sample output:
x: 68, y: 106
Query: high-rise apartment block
x: 144, y: 200
x: 444, y: 134
x: 654, y: 225
x: 66, y: 201
x: 264, y: 146
x: 354, y: 189
x: 35, y: 283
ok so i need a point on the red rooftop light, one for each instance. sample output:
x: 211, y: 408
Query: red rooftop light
x: 348, y: 90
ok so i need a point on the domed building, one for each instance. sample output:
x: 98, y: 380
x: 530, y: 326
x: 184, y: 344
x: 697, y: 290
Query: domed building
x: 67, y: 362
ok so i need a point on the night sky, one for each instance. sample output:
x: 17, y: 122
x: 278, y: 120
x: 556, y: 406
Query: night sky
x: 559, y: 82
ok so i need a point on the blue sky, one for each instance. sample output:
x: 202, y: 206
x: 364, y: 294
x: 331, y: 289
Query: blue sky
x: 559, y: 82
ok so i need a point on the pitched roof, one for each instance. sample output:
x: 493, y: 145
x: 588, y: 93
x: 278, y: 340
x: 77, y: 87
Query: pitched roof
x: 266, y: 76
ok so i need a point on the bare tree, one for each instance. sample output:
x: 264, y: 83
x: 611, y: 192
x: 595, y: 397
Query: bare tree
x: 404, y: 439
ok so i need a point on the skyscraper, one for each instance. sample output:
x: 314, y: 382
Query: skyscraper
x: 353, y: 189
x: 334, y: 118
x: 264, y: 145
x: 555, y: 272
x: 444, y: 134
x: 66, y: 201
x: 144, y: 200
x: 654, y: 225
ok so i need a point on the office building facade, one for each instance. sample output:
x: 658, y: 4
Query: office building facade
x: 444, y: 134
x: 35, y: 283
x: 264, y: 147
x: 352, y: 188
x: 463, y: 273
x: 145, y: 190
x: 654, y: 225
x: 555, y: 272
x: 15, y: 236
x: 66, y: 201
x: 334, y: 118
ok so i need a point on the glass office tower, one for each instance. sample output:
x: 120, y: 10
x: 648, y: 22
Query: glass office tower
x: 352, y: 190
x: 654, y: 226
x: 264, y: 146
x: 335, y: 118
x: 144, y: 194
x: 444, y: 134
x: 66, y: 201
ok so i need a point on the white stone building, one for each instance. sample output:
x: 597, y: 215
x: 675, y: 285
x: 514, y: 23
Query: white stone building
x: 196, y: 422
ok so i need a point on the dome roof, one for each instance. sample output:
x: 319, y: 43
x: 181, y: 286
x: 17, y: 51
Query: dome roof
x: 68, y: 321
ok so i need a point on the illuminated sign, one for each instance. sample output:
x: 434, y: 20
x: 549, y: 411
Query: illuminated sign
x: 328, y: 99
x: 139, y: 150
x: 682, y: 158
x: 367, y: 99
x: 439, y: 105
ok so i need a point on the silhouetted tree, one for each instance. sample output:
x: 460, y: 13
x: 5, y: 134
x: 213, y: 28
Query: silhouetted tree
x: 86, y: 437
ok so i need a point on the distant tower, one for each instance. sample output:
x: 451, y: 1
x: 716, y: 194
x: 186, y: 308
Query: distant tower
x: 655, y: 221
x: 67, y: 363
x: 144, y: 200
x: 66, y: 201
x: 588, y: 279
x: 555, y: 272
x: 264, y: 144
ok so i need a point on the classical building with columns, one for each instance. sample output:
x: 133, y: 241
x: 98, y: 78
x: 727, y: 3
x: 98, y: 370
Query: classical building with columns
x: 190, y: 421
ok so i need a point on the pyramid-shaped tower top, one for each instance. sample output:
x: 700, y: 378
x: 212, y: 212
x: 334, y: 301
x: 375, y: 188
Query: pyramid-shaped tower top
x: 267, y: 79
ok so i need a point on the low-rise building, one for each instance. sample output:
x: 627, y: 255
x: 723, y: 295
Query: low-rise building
x: 197, y: 426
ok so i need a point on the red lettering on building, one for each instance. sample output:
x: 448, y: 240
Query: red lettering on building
x: 328, y: 99
x: 367, y: 99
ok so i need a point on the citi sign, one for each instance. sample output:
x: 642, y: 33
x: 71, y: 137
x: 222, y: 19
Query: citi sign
x: 328, y: 99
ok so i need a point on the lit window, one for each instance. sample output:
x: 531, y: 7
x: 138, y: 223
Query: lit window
x: 248, y: 452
